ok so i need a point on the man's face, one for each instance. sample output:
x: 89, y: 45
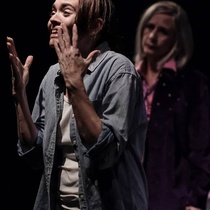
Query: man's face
x: 63, y: 11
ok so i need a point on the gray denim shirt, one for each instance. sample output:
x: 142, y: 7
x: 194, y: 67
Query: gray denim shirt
x: 111, y: 176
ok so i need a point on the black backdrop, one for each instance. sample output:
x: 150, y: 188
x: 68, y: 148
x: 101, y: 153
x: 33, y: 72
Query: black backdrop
x: 26, y: 22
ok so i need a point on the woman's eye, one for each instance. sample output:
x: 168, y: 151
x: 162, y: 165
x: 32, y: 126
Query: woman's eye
x: 149, y: 26
x: 163, y: 31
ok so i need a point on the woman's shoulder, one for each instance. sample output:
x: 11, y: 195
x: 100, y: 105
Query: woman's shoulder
x: 194, y: 81
x: 193, y: 74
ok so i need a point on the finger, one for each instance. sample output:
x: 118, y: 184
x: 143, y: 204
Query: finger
x: 15, y: 61
x: 74, y: 36
x: 13, y: 57
x: 11, y: 46
x: 56, y: 46
x: 66, y: 37
x: 61, y: 44
x: 28, y: 62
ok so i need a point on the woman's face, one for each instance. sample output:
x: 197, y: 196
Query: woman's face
x: 158, y: 36
x: 63, y: 11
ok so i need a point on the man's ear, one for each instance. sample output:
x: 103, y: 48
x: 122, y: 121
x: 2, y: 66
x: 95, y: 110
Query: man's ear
x: 96, y: 27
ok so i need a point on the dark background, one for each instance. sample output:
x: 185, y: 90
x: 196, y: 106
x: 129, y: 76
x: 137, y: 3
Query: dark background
x: 26, y: 22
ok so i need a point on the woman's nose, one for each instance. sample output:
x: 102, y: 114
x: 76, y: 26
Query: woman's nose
x: 152, y: 34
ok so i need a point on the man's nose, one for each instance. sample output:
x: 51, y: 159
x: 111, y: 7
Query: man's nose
x: 55, y: 18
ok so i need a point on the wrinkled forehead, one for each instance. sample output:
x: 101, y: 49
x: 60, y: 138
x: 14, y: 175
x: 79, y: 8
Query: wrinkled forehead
x: 162, y: 18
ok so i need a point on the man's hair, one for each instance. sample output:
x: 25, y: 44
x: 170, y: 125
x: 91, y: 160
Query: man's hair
x: 90, y: 10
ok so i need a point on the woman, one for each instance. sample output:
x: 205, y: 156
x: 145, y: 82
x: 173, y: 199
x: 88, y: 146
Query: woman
x: 177, y: 155
x: 85, y: 130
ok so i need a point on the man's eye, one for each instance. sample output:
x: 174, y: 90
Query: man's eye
x: 66, y: 12
x: 52, y: 13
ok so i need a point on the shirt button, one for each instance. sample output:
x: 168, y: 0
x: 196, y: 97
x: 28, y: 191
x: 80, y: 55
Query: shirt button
x: 81, y: 197
x: 74, y: 142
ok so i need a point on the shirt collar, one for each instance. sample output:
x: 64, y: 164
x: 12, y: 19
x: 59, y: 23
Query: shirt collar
x: 103, y: 47
x: 170, y: 64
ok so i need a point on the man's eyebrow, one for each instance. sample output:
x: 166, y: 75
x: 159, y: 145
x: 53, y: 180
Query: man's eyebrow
x: 65, y: 5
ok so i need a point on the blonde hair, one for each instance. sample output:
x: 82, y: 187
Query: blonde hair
x: 183, y: 46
